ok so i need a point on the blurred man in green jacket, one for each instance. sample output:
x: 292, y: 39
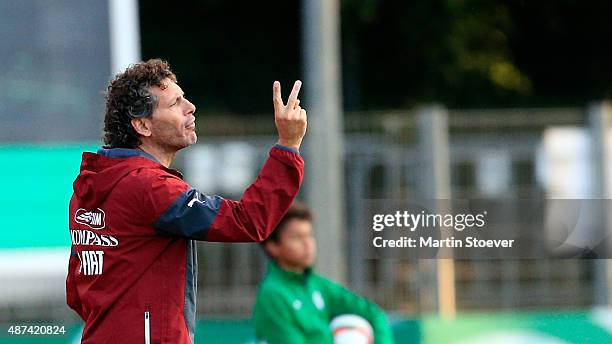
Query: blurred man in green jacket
x: 294, y: 304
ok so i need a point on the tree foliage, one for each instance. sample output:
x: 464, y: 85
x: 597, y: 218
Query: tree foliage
x: 395, y: 53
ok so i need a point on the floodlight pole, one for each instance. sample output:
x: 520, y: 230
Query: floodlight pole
x: 124, y: 27
x: 324, y: 165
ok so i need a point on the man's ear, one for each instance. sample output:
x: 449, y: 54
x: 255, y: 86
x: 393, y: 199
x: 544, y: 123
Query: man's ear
x: 142, y: 126
x: 271, y: 248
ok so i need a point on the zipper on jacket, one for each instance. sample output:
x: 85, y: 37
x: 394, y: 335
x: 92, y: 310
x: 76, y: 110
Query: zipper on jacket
x: 147, y: 327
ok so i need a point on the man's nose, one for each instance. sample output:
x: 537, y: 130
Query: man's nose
x: 190, y: 107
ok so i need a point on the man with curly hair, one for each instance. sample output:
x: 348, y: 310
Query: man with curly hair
x: 134, y: 221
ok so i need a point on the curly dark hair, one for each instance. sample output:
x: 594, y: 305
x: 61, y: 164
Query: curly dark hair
x: 129, y: 96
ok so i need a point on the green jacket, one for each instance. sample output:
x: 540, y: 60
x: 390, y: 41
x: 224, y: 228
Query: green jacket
x: 293, y: 308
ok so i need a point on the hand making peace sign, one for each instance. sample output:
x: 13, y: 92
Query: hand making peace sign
x: 290, y: 119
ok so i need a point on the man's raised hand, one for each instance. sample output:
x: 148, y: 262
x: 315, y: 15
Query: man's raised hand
x: 290, y: 119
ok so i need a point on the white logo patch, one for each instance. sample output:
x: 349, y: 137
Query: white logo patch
x: 297, y: 304
x: 196, y: 198
x: 95, y: 219
x: 317, y: 299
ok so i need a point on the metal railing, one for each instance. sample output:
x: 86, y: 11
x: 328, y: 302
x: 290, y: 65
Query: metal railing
x: 382, y: 161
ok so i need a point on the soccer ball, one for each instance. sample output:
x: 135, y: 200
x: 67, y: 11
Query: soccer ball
x: 351, y: 329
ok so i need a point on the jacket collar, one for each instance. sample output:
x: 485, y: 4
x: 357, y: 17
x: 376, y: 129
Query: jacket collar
x: 125, y: 153
x: 275, y: 269
x: 135, y: 152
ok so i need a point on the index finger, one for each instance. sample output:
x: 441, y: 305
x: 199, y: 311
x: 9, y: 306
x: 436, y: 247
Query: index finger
x: 276, y: 95
x: 294, y: 93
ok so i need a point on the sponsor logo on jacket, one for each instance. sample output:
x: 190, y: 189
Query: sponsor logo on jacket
x: 87, y: 237
x: 94, y: 219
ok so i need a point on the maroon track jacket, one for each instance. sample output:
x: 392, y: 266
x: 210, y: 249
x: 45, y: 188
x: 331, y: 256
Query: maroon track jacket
x: 132, y: 269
